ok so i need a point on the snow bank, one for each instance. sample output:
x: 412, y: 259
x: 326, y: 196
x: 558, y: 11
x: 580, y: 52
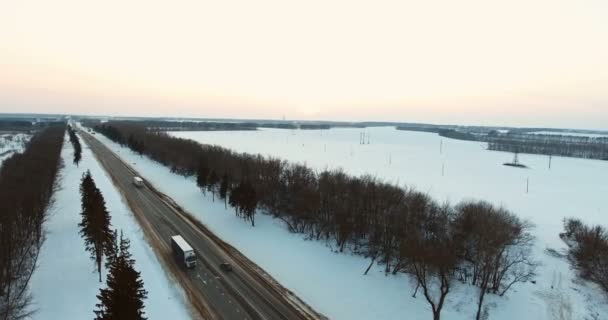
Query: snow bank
x: 333, y: 283
x: 66, y: 283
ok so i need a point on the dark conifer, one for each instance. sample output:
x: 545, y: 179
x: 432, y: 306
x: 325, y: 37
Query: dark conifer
x: 76, y: 144
x: 95, y: 224
x: 125, y: 294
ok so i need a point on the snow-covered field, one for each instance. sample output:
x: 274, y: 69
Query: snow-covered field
x: 11, y: 143
x: 66, y: 283
x: 333, y: 283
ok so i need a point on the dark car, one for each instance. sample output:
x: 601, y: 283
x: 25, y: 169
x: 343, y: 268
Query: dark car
x: 226, y: 266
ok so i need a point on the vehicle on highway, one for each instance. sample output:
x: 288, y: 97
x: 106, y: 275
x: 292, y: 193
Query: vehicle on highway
x: 183, y: 251
x: 138, y: 182
x: 226, y: 266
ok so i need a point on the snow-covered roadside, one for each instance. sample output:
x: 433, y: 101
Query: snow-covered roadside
x: 65, y: 284
x: 333, y: 283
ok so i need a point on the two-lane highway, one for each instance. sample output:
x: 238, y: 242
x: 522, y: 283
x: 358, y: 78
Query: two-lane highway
x: 245, y: 293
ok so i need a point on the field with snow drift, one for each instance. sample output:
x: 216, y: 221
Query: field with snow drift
x: 65, y: 284
x: 448, y: 170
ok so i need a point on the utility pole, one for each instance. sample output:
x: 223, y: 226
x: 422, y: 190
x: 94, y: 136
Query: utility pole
x: 550, y: 156
x: 528, y: 185
x: 440, y: 146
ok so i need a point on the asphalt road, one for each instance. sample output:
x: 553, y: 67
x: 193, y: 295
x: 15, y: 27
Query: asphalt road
x: 245, y: 293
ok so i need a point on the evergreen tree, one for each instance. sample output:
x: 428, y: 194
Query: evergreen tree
x: 76, y: 144
x: 125, y: 294
x: 95, y: 224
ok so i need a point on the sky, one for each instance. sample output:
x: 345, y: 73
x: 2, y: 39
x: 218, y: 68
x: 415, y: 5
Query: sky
x: 487, y: 62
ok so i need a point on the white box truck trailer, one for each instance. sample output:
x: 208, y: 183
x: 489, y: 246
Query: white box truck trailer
x: 183, y: 251
x: 138, y: 182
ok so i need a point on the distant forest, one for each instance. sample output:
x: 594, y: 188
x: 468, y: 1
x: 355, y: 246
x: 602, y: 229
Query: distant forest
x: 27, y: 183
x: 558, y: 145
x: 224, y: 126
x: 523, y: 141
x: 26, y: 124
x: 402, y: 229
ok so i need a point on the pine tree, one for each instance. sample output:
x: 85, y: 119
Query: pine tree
x: 76, y: 143
x: 125, y: 294
x: 95, y: 224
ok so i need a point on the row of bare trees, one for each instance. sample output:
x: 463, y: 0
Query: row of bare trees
x: 27, y: 183
x: 76, y: 144
x: 402, y: 229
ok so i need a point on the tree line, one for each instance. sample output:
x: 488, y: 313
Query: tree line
x: 402, y: 229
x: 557, y: 145
x: 27, y: 124
x: 124, y: 295
x: 168, y: 125
x: 76, y: 144
x: 27, y: 183
x: 522, y: 141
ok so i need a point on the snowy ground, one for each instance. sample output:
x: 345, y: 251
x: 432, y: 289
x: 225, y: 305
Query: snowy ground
x: 11, y: 143
x: 66, y: 283
x: 334, y: 284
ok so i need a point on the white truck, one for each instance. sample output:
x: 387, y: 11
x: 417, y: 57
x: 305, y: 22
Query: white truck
x: 138, y: 182
x: 183, y: 251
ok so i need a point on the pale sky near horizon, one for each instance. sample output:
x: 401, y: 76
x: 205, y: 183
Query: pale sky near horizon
x: 516, y: 62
